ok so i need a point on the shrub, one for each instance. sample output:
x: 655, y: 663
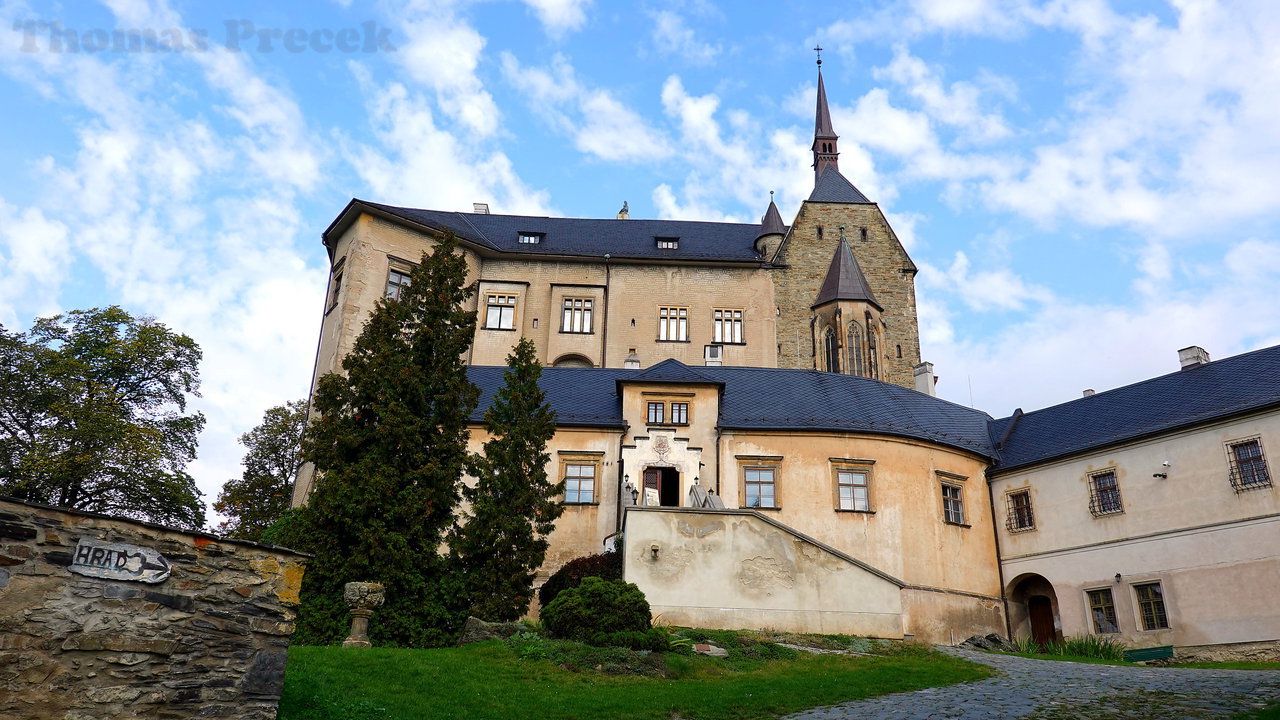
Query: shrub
x: 597, y: 606
x: 654, y: 639
x: 605, y: 565
x: 1090, y: 646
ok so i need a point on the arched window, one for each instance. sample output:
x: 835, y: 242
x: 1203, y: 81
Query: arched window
x: 856, y: 352
x: 873, y: 358
x: 833, y: 351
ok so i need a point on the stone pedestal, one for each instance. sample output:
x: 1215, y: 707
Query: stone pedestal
x: 363, y: 598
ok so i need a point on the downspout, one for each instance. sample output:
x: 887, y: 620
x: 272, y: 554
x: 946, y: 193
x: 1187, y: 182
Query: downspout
x: 604, y: 329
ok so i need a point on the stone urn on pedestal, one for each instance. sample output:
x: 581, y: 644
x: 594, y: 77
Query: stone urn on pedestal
x: 363, y: 598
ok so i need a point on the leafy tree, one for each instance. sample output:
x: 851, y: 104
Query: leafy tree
x: 92, y: 416
x: 513, y: 506
x: 390, y: 445
x: 261, y: 495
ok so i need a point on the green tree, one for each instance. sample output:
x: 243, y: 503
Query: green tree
x: 513, y: 506
x: 389, y: 445
x: 260, y: 496
x: 92, y: 416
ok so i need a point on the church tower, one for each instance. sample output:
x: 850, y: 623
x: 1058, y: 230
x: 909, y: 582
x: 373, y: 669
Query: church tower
x: 838, y: 263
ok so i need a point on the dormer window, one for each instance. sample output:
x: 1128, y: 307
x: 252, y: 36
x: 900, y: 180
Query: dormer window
x: 668, y: 243
x: 530, y: 238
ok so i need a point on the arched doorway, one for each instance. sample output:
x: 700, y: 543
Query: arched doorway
x: 1033, y: 609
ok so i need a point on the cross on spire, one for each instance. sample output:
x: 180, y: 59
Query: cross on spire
x: 818, y: 49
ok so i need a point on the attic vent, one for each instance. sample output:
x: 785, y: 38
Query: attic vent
x: 530, y: 238
x: 480, y: 208
x: 667, y: 243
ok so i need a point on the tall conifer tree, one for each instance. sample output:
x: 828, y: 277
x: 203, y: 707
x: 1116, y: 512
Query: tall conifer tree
x: 389, y: 444
x: 513, y: 505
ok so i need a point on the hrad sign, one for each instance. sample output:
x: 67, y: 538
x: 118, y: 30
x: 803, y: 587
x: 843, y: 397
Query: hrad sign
x: 117, y: 561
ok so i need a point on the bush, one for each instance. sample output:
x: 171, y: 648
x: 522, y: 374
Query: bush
x: 605, y: 565
x: 654, y: 639
x: 597, y: 606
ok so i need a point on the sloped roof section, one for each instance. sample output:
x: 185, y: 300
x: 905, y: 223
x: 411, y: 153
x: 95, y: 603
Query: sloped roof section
x: 845, y: 280
x: 822, y: 127
x: 587, y: 237
x: 771, y: 223
x: 672, y: 371
x: 1211, y: 392
x: 766, y: 399
x: 833, y: 187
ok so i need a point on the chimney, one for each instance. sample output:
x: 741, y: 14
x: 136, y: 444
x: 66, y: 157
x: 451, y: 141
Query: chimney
x: 632, y: 362
x: 925, y: 379
x: 480, y: 208
x: 1089, y: 393
x: 1192, y: 357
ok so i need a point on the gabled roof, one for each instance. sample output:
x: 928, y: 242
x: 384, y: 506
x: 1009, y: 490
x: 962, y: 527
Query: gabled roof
x: 575, y: 237
x: 845, y: 280
x: 670, y: 371
x: 833, y: 187
x: 765, y: 399
x: 1182, y: 399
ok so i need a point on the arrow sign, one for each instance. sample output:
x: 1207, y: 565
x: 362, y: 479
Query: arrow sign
x: 118, y: 561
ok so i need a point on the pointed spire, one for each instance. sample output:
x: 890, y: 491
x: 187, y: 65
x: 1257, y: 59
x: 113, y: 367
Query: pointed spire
x: 771, y: 223
x: 822, y: 122
x: 845, y: 280
x: 825, y: 154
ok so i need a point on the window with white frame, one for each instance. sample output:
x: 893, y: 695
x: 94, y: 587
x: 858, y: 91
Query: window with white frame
x: 679, y: 413
x: 579, y: 483
x: 500, y: 312
x: 853, y: 489
x: 575, y: 315
x: 1248, y: 465
x: 673, y: 324
x: 667, y: 243
x: 760, y: 487
x: 953, y: 503
x: 727, y: 325
x: 530, y: 238
x: 1104, y: 494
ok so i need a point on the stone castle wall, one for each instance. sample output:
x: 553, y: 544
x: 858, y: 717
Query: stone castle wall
x: 885, y: 264
x: 210, y: 640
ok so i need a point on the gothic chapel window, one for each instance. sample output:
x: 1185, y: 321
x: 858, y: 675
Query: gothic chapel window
x: 833, y: 351
x: 855, y: 350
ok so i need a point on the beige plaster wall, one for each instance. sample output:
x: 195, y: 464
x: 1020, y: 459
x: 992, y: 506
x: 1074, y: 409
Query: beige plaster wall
x: 734, y: 570
x: 1213, y: 550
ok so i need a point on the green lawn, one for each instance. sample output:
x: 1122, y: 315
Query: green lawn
x: 488, y: 680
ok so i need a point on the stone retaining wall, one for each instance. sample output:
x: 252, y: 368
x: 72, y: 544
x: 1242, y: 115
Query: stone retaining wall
x: 209, y: 640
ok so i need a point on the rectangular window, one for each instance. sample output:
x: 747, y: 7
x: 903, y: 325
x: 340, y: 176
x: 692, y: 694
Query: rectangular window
x: 852, y: 490
x: 727, y: 325
x: 337, y: 287
x: 679, y: 413
x: 397, y: 281
x: 530, y: 238
x: 1151, y: 605
x: 656, y: 413
x: 1104, y: 494
x: 760, y: 487
x: 953, y: 504
x: 579, y: 483
x: 1103, y: 610
x: 501, y: 313
x: 668, y: 243
x: 1248, y: 465
x: 575, y: 317
x: 1020, y: 516
x: 673, y: 324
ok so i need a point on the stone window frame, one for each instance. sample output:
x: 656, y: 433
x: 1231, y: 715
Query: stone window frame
x: 507, y: 301
x: 731, y: 319
x: 852, y: 465
x: 1154, y: 604
x: 655, y: 418
x: 953, y: 507
x: 1107, y: 500
x: 673, y: 323
x: 760, y: 463
x: 1259, y: 472
x: 577, y: 312
x: 581, y: 458
x: 1015, y: 521
x: 1108, y: 609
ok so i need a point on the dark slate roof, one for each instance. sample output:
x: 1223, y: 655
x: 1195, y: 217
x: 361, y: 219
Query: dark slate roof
x: 771, y: 223
x: 822, y: 119
x: 1181, y: 399
x: 768, y: 399
x: 845, y: 280
x: 589, y: 237
x: 671, y: 370
x: 835, y: 188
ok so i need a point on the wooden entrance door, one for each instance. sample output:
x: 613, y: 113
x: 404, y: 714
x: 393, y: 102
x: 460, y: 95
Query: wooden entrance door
x: 1040, y: 608
x: 652, y: 481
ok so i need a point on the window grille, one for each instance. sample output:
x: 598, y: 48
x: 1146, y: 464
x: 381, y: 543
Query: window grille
x: 1248, y: 466
x: 1104, y: 494
x: 1021, y: 517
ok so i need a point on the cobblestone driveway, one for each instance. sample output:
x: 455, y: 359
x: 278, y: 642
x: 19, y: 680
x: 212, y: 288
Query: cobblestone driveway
x: 1048, y: 690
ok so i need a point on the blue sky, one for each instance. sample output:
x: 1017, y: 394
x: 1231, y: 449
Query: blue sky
x: 1087, y: 186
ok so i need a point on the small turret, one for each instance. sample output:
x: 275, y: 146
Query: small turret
x: 772, y: 231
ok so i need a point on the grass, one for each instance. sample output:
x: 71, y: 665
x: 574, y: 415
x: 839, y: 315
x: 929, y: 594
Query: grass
x: 490, y: 680
x: 1077, y: 646
x: 1227, y: 665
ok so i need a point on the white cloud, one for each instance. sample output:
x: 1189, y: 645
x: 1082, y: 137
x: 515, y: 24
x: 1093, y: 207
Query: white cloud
x: 560, y: 16
x: 442, y: 52
x: 961, y: 104
x: 672, y: 36
x: 600, y: 124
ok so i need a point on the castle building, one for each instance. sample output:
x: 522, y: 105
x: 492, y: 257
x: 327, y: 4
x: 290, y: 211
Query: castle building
x: 745, y: 404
